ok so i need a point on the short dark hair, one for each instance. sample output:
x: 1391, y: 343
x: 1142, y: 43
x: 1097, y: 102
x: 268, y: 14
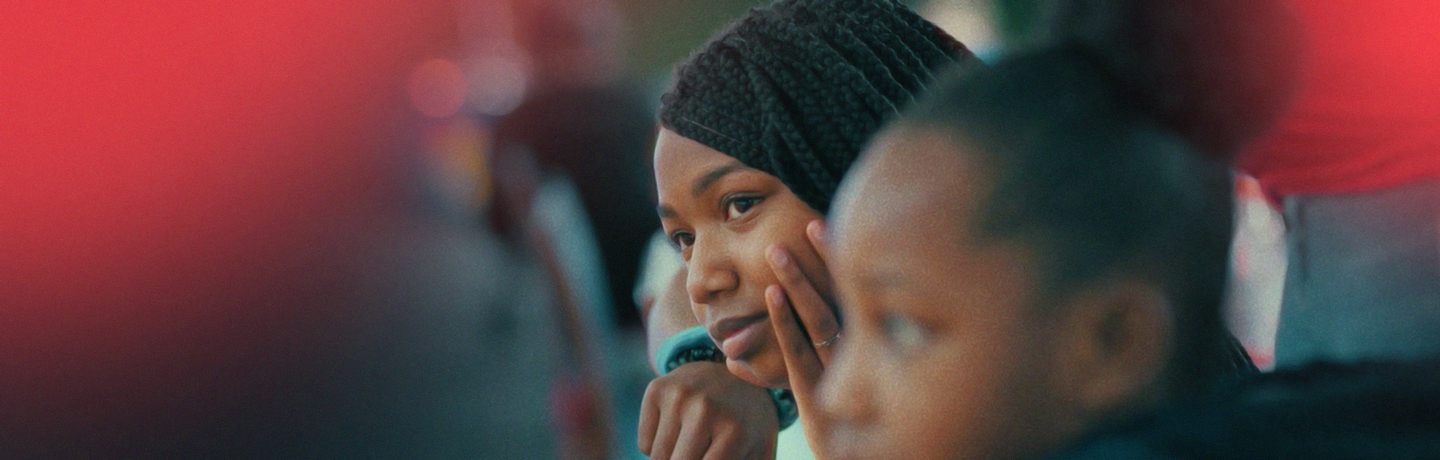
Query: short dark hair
x: 1085, y: 174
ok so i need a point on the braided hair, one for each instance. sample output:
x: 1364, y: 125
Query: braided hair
x: 796, y: 88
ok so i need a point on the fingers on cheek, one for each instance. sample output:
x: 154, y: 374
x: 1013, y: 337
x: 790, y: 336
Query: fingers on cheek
x: 775, y: 299
x: 827, y: 324
x: 781, y: 316
x: 782, y: 264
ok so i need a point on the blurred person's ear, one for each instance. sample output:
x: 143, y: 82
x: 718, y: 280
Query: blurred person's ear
x: 1117, y: 336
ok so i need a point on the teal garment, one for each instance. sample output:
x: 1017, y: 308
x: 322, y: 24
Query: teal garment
x: 1363, y: 280
x: 681, y: 341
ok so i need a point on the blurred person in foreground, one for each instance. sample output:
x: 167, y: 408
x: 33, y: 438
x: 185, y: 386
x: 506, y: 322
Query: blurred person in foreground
x: 1022, y: 260
x: 1037, y: 252
x: 1055, y: 291
x: 1352, y: 165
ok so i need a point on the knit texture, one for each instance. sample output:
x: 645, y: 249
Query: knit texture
x: 796, y: 88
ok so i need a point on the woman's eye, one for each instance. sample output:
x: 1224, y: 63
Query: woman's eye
x: 682, y: 240
x: 903, y: 333
x: 739, y: 205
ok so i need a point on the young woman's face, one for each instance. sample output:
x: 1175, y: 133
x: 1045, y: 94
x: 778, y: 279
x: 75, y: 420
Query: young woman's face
x: 944, y: 356
x: 722, y: 216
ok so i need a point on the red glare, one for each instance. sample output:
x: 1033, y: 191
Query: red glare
x: 187, y: 191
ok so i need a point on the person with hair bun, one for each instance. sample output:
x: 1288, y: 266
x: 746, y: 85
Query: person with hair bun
x: 1023, y: 258
x: 1038, y: 251
x: 759, y: 128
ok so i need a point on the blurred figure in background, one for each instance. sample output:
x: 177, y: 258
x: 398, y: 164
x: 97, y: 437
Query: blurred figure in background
x: 221, y: 241
x: 589, y: 131
x: 1356, y: 167
x: 580, y: 118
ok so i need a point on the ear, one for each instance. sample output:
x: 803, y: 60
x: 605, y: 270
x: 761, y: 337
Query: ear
x: 1119, y: 339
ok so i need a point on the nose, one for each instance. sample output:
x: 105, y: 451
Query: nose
x: 847, y: 391
x: 711, y: 273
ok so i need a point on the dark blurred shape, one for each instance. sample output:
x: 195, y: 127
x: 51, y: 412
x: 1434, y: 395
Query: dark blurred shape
x: 582, y: 121
x: 1219, y: 71
x: 1373, y: 410
x: 600, y: 138
x: 579, y: 401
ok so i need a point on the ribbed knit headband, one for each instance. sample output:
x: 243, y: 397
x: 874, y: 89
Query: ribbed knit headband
x: 796, y: 88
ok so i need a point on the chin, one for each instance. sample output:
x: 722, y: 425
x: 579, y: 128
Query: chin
x: 746, y: 370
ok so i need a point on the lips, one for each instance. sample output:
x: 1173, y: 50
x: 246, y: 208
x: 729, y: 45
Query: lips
x: 739, y: 337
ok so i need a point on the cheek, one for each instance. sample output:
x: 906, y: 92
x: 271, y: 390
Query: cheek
x: 789, y: 232
x: 750, y: 248
x: 935, y: 409
x: 979, y: 399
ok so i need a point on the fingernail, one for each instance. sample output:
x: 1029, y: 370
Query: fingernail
x: 816, y: 228
x: 776, y: 298
x: 777, y: 256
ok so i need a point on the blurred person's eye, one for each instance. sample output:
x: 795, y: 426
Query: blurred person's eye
x: 902, y: 333
x: 737, y: 206
x: 682, y: 240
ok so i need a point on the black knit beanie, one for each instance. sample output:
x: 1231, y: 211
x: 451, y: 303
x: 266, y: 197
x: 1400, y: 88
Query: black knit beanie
x: 796, y: 88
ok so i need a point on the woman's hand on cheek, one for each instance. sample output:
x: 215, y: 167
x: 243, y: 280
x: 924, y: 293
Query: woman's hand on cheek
x: 700, y: 411
x: 806, y: 328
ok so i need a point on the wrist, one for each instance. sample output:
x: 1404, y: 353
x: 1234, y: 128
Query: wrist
x: 694, y: 345
x: 686, y: 346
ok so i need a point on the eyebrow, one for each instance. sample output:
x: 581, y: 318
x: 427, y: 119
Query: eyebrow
x: 704, y: 182
x: 709, y: 178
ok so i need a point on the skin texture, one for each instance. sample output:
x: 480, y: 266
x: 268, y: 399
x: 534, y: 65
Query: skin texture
x: 724, y: 227
x: 948, y: 352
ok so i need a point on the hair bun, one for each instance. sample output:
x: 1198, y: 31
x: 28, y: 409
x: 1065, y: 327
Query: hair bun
x: 1220, y: 72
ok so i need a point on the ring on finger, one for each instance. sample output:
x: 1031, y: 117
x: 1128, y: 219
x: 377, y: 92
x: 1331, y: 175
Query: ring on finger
x: 828, y: 342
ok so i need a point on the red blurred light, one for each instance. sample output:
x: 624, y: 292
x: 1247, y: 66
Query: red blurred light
x: 437, y: 88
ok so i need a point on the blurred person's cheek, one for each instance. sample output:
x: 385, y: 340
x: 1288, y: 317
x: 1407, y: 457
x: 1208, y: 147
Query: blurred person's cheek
x: 186, y: 188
